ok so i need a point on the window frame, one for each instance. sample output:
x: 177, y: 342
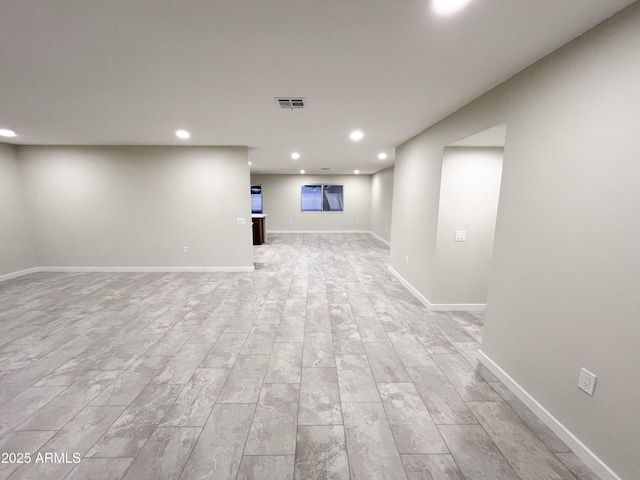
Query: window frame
x: 322, y: 187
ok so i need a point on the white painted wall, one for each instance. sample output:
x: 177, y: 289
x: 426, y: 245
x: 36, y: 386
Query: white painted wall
x: 565, y: 286
x: 281, y: 200
x: 17, y: 245
x: 381, y: 203
x: 138, y: 206
x: 416, y: 193
x: 469, y: 192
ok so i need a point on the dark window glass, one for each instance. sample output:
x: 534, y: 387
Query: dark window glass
x: 332, y: 198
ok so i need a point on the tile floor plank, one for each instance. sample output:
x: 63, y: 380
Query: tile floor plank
x: 475, y: 454
x: 273, y: 430
x: 372, y: 450
x: 100, y: 469
x: 468, y: 383
x: 385, y: 363
x: 264, y: 374
x: 132, y: 429
x: 285, y: 365
x: 319, y: 397
x: 318, y: 350
x: 218, y: 452
x: 164, y: 455
x: 193, y: 406
x: 431, y: 467
x: 355, y: 379
x: 245, y: 380
x: 439, y: 396
x: 224, y: 352
x: 77, y: 436
x: 21, y: 442
x: 525, y: 452
x: 321, y: 453
x: 411, y: 424
x: 266, y: 467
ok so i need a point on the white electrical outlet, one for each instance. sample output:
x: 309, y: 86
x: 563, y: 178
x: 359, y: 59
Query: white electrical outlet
x: 587, y: 381
x: 461, y: 235
x: 240, y: 221
x: 185, y: 249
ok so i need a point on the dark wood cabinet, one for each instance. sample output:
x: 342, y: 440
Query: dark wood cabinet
x: 258, y: 230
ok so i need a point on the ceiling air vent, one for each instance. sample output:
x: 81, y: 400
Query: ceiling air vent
x: 324, y: 168
x: 290, y: 102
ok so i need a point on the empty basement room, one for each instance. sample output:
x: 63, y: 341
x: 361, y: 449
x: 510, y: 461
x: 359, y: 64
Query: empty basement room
x: 319, y: 240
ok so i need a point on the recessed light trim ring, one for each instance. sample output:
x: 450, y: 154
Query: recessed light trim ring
x: 5, y: 132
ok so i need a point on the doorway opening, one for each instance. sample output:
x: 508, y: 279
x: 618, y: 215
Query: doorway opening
x: 468, y: 207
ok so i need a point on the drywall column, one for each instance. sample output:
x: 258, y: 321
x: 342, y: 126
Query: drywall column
x: 565, y: 277
x: 17, y: 245
x: 381, y: 203
x: 416, y: 193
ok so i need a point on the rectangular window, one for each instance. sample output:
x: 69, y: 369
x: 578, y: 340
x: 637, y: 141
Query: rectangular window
x: 322, y: 198
x: 311, y: 198
x: 332, y: 198
x: 256, y: 199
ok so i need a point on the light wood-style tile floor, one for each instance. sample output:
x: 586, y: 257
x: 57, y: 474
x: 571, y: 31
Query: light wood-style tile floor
x: 319, y: 365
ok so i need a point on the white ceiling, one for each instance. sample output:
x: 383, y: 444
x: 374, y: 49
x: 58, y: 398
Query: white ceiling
x: 131, y: 72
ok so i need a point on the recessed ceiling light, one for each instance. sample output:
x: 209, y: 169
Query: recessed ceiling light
x: 356, y: 135
x: 357, y: 172
x: 382, y: 156
x: 447, y: 7
x: 183, y: 134
x: 295, y: 155
x: 5, y: 132
x: 302, y: 172
x: 249, y: 163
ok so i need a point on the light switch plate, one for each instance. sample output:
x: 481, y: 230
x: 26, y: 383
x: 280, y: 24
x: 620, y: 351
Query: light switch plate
x: 240, y: 221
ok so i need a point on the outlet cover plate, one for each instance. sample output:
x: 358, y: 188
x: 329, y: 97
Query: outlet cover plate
x: 587, y: 381
x: 461, y: 235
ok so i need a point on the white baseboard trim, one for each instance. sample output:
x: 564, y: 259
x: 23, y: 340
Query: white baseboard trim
x: 579, y: 448
x: 317, y: 231
x: 438, y: 307
x: 28, y: 271
x: 409, y: 287
x: 143, y: 269
x: 20, y: 273
x: 459, y: 307
x: 388, y: 244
